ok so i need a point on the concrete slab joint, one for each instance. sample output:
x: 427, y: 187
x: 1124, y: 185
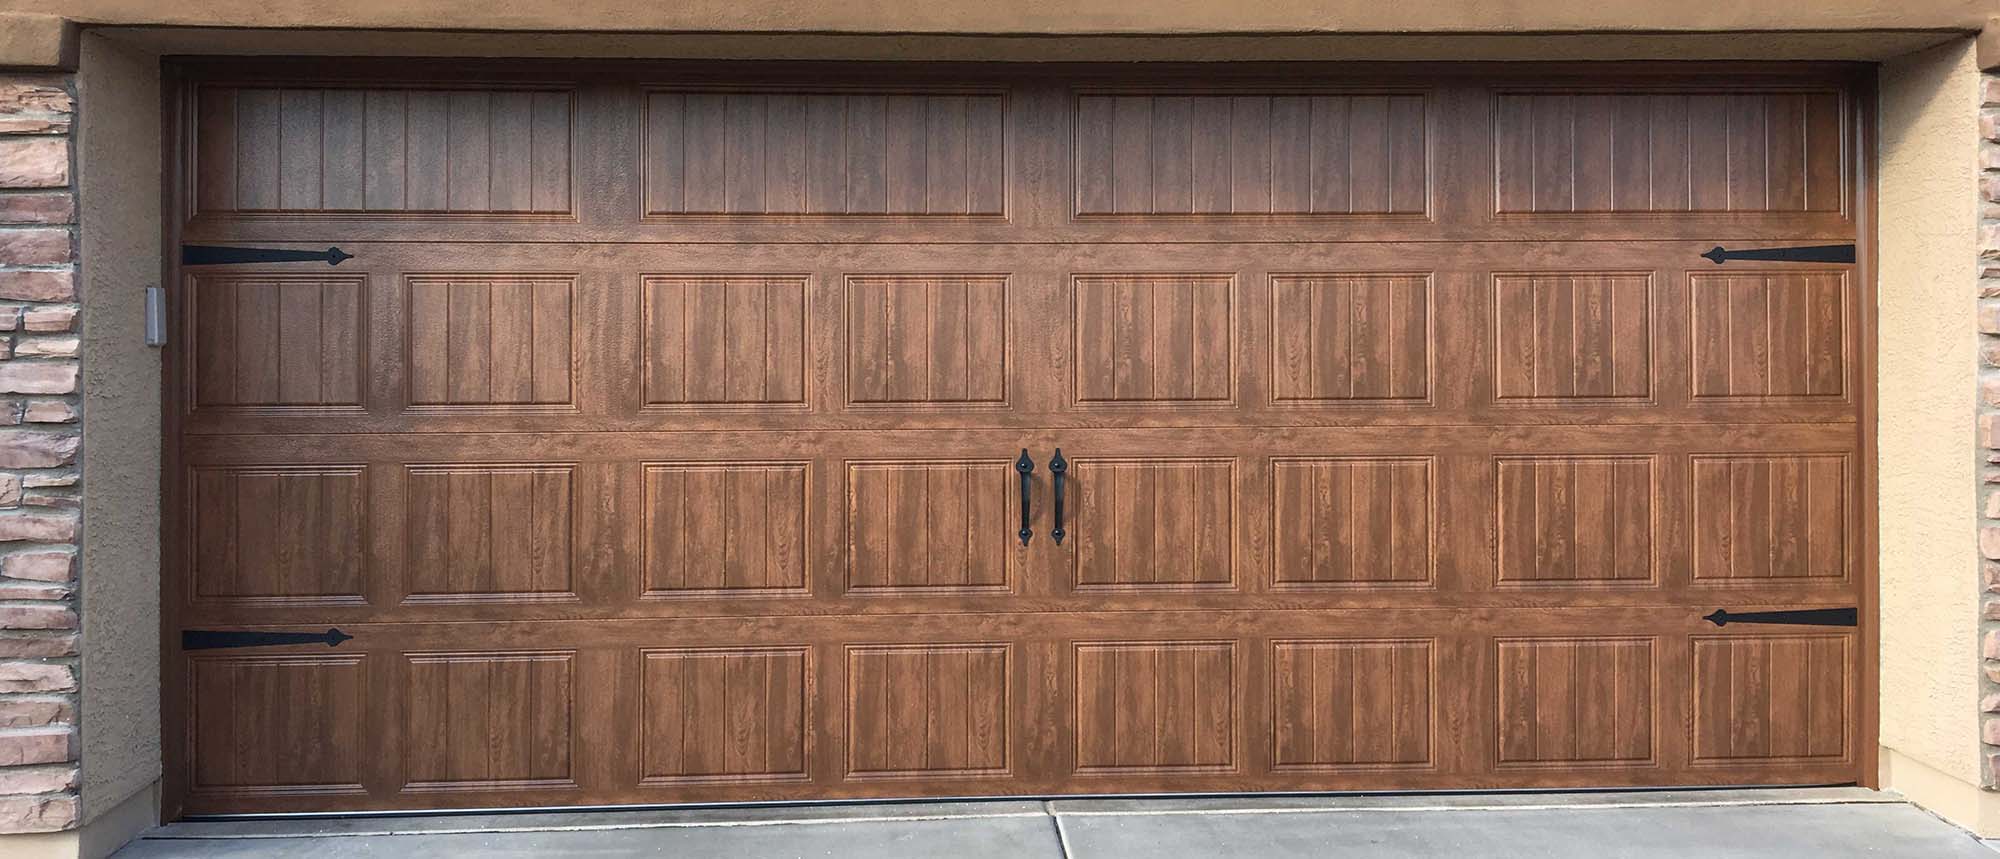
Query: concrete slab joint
x: 39, y: 448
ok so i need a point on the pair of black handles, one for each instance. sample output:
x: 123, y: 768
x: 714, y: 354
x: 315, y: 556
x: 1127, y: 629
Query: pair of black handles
x: 1026, y: 466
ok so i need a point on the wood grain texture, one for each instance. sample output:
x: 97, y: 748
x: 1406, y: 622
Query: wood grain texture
x: 1630, y: 152
x: 489, y: 532
x: 490, y: 341
x: 1359, y: 704
x: 1577, y: 702
x: 277, y: 341
x: 1410, y: 435
x: 1352, y: 522
x: 277, y: 725
x: 927, y: 711
x: 736, y: 340
x: 1156, y: 707
x: 1577, y: 521
x: 1148, y: 339
x: 929, y: 527
x: 927, y: 340
x: 1778, y: 698
x: 1573, y: 336
x: 1344, y: 337
x: 1772, y: 335
x: 1251, y: 153
x: 382, y: 151
x: 489, y: 721
x: 859, y: 153
x: 725, y: 528
x: 279, y: 534
x: 725, y: 715
x: 1770, y: 517
x: 1153, y: 524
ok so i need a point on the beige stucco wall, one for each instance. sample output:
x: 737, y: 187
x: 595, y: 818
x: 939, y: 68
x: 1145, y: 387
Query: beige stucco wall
x: 1034, y: 16
x: 1927, y: 364
x: 118, y: 153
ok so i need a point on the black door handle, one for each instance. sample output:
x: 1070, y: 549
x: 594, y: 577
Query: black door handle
x: 1026, y: 466
x: 1059, y: 467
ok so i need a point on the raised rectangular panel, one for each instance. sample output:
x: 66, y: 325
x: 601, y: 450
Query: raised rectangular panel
x: 1772, y: 699
x: 498, y: 342
x: 282, y: 343
x: 821, y: 152
x: 1577, y: 520
x: 1573, y: 336
x: 725, y: 529
x: 1143, y: 524
x: 724, y: 341
x: 1351, y: 337
x: 488, y: 533
x: 725, y: 715
x: 278, y: 535
x: 385, y: 151
x: 489, y: 721
x: 1352, y: 704
x: 1764, y: 336
x: 1635, y: 152
x: 927, y: 339
x: 1159, y: 155
x: 1156, y: 707
x: 931, y: 526
x: 1576, y: 702
x: 1776, y: 517
x: 1352, y: 522
x: 277, y: 725
x: 1153, y: 339
x: 927, y: 711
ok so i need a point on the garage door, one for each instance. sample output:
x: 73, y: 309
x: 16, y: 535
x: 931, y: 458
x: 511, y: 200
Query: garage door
x: 697, y: 434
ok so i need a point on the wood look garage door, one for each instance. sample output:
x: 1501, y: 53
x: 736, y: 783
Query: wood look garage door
x: 658, y: 443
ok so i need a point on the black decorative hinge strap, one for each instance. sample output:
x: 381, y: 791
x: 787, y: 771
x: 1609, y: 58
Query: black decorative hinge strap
x: 211, y: 639
x: 1794, y: 617
x: 218, y: 255
x: 1811, y: 253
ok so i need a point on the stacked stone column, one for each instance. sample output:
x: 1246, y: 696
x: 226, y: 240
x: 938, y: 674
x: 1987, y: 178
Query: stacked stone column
x: 39, y: 440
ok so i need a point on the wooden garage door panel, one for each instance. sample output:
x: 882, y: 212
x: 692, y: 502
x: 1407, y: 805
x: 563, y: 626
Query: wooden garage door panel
x: 725, y: 715
x: 930, y: 340
x: 458, y: 151
x: 886, y: 706
x: 1725, y: 150
x: 828, y: 153
x: 809, y: 337
x: 1250, y: 153
x: 1353, y: 704
x: 254, y: 727
x: 1409, y: 436
x: 277, y: 341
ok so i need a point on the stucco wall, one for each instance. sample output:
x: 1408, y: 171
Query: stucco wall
x: 1926, y: 380
x: 118, y: 154
x: 1034, y: 16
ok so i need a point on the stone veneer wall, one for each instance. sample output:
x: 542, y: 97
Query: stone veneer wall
x: 39, y: 438
x: 1989, y: 419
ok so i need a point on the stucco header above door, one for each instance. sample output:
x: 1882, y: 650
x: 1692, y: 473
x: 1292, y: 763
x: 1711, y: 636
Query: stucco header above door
x: 992, y: 29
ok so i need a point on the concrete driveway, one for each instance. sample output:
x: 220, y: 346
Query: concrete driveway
x: 1838, y: 822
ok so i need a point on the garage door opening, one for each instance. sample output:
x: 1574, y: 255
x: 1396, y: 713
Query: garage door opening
x: 686, y: 433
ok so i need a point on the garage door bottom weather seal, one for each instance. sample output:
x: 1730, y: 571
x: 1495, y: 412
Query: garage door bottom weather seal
x: 1027, y: 797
